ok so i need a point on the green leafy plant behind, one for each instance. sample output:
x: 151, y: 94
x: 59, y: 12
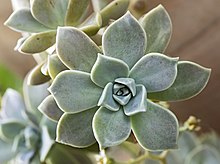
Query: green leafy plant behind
x: 109, y: 94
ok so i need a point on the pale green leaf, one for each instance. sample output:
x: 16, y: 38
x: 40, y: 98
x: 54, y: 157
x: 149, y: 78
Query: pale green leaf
x: 55, y: 66
x: 10, y: 128
x: 99, y: 4
x: 38, y: 42
x: 128, y: 82
x: 76, y: 12
x: 75, y: 49
x: 155, y: 71
x: 74, y: 91
x: 6, y: 152
x: 76, y: 129
x: 156, y: 129
x: 138, y: 103
x: 114, y: 10
x: 106, y: 100
x: 190, y: 81
x: 203, y: 155
x: 158, y: 27
x: 125, y: 39
x: 50, y: 13
x: 36, y: 77
x: 107, y: 69
x: 50, y: 109
x: 22, y: 20
x: 20, y: 4
x: 111, y: 128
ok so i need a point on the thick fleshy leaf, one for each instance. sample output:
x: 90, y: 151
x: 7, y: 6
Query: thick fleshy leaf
x: 122, y: 100
x: 138, y: 103
x: 36, y: 77
x: 50, y: 109
x: 190, y: 81
x: 47, y: 143
x: 55, y: 66
x: 20, y: 4
x: 107, y: 69
x: 158, y: 27
x: 92, y: 24
x: 12, y: 106
x: 156, y: 129
x: 114, y: 10
x: 31, y: 136
x: 24, y: 157
x: 10, y: 128
x: 76, y: 129
x: 74, y: 91
x: 76, y: 12
x: 110, y: 128
x: 203, y: 155
x: 6, y: 152
x: 129, y: 83
x: 125, y: 39
x: 22, y: 20
x: 76, y: 49
x: 50, y: 13
x: 38, y: 42
x: 106, y: 100
x: 155, y: 71
x: 99, y: 4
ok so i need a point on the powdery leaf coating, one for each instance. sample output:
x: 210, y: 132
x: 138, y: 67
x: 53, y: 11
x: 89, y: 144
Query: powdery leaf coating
x: 110, y: 128
x: 70, y: 90
x: 107, y: 69
x: 155, y: 71
x: 125, y: 39
x: 82, y: 55
x: 76, y: 129
x: 156, y: 129
x: 190, y: 81
x: 158, y: 27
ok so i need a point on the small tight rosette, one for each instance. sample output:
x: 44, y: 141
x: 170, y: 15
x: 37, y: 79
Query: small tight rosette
x: 115, y: 98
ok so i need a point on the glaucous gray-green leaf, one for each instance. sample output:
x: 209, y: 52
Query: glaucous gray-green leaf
x: 12, y: 105
x: 41, y: 57
x: 24, y: 157
x: 74, y: 91
x: 75, y: 49
x: 6, y: 152
x: 20, y: 4
x: 203, y: 155
x: 155, y: 71
x: 122, y: 100
x: 31, y: 137
x: 107, y: 69
x: 158, y: 27
x: 114, y: 10
x: 19, y: 142
x: 99, y: 4
x: 46, y: 145
x: 55, y: 66
x: 137, y: 103
x: 76, y: 12
x: 44, y: 69
x: 10, y: 128
x: 22, y: 20
x: 38, y: 42
x: 106, y: 100
x: 33, y: 96
x: 92, y: 24
x: 110, y: 128
x: 50, y: 125
x: 125, y: 39
x: 190, y: 81
x: 36, y: 77
x: 50, y: 13
x: 50, y: 109
x: 129, y: 83
x: 156, y: 129
x: 76, y: 129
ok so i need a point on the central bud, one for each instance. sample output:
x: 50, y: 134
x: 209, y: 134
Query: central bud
x: 123, y: 90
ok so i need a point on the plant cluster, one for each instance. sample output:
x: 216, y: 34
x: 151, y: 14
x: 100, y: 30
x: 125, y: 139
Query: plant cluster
x: 106, y: 73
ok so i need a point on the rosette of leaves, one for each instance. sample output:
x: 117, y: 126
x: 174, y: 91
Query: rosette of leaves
x: 109, y: 96
x: 194, y: 149
x: 28, y: 138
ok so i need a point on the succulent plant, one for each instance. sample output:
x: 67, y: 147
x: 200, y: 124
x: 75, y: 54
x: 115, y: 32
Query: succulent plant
x: 111, y: 95
x: 28, y: 138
